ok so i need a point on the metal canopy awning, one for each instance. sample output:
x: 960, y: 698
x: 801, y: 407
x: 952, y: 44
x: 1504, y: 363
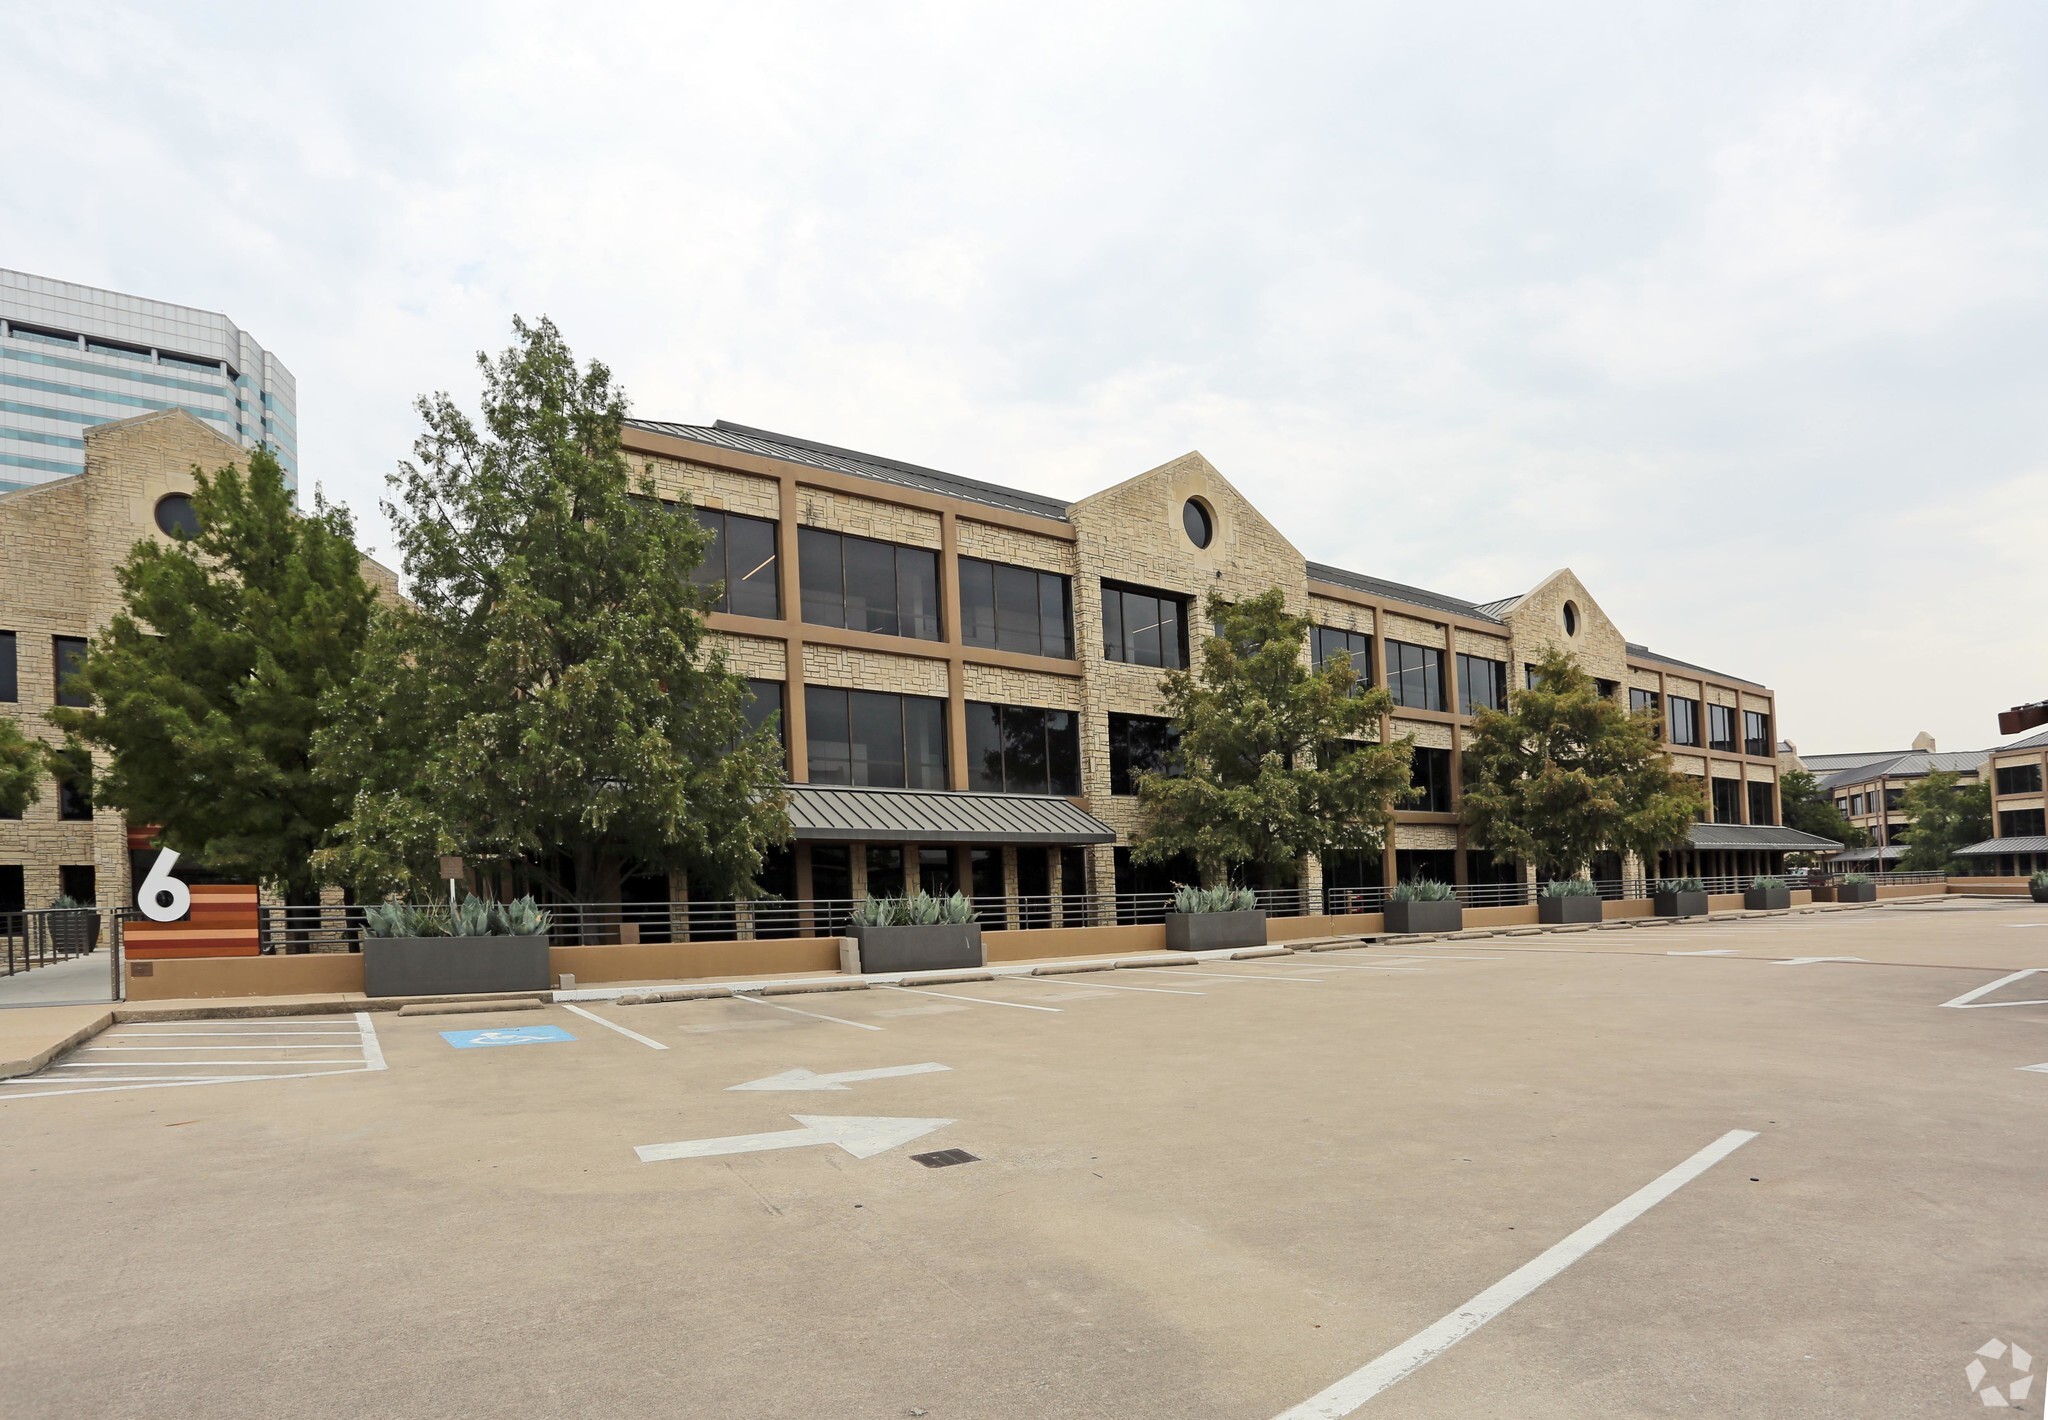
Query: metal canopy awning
x: 833, y: 814
x: 1890, y: 854
x: 1993, y: 847
x: 1762, y: 837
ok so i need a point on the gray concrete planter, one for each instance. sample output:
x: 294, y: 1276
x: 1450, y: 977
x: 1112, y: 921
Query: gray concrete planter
x: 1404, y: 918
x: 2039, y: 894
x: 1855, y: 892
x: 939, y: 946
x: 1553, y: 911
x: 1214, y: 931
x: 454, y: 966
x: 1766, y: 899
x: 1681, y: 904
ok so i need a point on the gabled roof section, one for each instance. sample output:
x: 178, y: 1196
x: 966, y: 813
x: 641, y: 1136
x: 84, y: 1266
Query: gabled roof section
x: 1772, y: 838
x: 832, y: 814
x: 727, y: 435
x: 1644, y: 653
x: 1398, y: 592
x: 1906, y: 764
x: 2030, y: 742
x: 1992, y: 847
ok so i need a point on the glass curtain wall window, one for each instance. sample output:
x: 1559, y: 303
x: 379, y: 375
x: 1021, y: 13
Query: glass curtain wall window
x: 1138, y: 744
x: 1721, y: 727
x: 1762, y: 805
x: 1022, y: 749
x: 2022, y: 823
x: 741, y: 562
x: 2019, y: 779
x: 1143, y: 628
x: 875, y: 740
x: 763, y: 704
x: 1685, y: 721
x: 1331, y: 644
x: 1481, y: 683
x: 1016, y: 609
x: 1756, y: 733
x: 865, y: 585
x: 1641, y: 700
x: 1415, y: 675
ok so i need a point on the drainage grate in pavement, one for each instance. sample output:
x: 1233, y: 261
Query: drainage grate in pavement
x: 945, y: 1158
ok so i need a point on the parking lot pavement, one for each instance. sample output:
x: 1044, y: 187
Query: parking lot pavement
x: 1221, y: 1195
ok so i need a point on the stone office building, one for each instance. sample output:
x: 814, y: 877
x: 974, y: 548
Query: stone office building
x: 2019, y: 811
x: 968, y: 675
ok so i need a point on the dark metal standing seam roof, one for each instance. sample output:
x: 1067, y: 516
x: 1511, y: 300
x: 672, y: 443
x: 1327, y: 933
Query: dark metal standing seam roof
x: 724, y: 434
x: 1396, y: 591
x: 1992, y: 847
x: 1645, y: 653
x: 821, y: 813
x: 1772, y: 838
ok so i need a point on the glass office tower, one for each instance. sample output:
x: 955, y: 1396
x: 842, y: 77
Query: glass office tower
x: 74, y: 356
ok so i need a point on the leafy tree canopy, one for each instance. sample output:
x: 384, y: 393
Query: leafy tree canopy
x: 206, y: 687
x: 547, y: 704
x: 1277, y: 761
x: 21, y: 764
x: 1947, y: 814
x: 1805, y: 806
x: 1566, y: 773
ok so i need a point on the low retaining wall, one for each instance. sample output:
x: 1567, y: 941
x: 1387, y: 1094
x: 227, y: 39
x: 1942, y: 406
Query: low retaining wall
x: 1017, y: 944
x: 1980, y: 887
x: 315, y: 974
x: 680, y: 961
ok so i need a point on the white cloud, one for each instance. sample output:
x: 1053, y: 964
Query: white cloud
x: 1734, y: 310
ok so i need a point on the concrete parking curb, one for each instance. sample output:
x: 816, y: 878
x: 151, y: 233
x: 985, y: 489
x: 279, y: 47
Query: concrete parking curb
x: 469, y: 1008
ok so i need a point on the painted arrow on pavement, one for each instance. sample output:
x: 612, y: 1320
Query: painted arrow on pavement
x: 862, y: 1137
x: 802, y: 1079
x: 1809, y: 961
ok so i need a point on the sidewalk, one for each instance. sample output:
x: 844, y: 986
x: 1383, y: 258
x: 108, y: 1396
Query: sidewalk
x: 85, y: 978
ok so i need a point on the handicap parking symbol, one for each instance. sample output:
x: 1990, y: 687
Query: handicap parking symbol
x: 512, y: 1035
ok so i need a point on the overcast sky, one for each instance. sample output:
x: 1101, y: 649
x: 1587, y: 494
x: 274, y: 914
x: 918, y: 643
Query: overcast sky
x: 1740, y: 310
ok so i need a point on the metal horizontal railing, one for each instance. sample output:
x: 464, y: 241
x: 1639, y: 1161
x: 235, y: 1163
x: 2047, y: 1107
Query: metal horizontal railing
x: 47, y: 936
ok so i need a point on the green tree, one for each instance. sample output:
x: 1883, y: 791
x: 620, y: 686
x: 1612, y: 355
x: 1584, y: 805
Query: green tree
x: 1946, y: 815
x: 206, y: 687
x: 547, y: 704
x: 1566, y: 773
x: 1808, y: 808
x: 21, y: 769
x: 1278, y: 761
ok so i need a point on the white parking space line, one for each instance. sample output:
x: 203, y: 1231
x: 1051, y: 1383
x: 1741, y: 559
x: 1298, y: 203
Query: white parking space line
x: 167, y: 1034
x: 975, y: 1000
x: 1968, y: 1000
x: 1217, y: 976
x: 1709, y: 952
x: 373, y: 1049
x: 1074, y: 979
x: 814, y: 1015
x: 1349, y: 1394
x: 614, y: 1025
x: 164, y: 1066
x: 160, y: 1049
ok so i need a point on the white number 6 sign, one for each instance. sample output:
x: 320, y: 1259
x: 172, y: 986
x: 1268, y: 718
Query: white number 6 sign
x: 162, y: 897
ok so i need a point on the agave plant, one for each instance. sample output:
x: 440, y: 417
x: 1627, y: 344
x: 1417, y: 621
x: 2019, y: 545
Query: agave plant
x: 521, y: 918
x: 470, y: 918
x: 1571, y: 887
x: 957, y: 910
x: 1190, y: 899
x: 1424, y: 890
x: 1854, y: 879
x: 1765, y: 882
x: 873, y: 912
x: 2039, y: 881
x: 1680, y: 885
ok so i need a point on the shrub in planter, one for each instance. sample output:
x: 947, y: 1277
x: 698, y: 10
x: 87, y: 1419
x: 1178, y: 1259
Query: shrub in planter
x: 917, y: 933
x: 1424, y: 906
x: 1568, y: 900
x: 1681, y: 897
x: 1766, y: 894
x: 1855, y: 887
x: 2037, y: 887
x: 1211, y: 919
x: 74, y: 928
x: 474, y: 948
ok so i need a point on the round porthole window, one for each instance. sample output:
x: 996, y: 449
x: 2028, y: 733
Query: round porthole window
x: 1571, y: 619
x: 1195, y: 519
x: 176, y: 516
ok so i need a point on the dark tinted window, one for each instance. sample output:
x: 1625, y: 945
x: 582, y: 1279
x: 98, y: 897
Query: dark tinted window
x: 865, y: 585
x: 1138, y: 744
x: 1762, y: 804
x: 741, y: 560
x: 1606, y: 689
x: 1727, y: 801
x: 1015, y: 609
x: 1640, y: 700
x: 1721, y: 727
x: 1143, y: 628
x: 1415, y: 675
x: 1022, y: 749
x: 2022, y: 823
x: 1756, y: 733
x: 1685, y: 721
x: 2013, y: 779
x: 1431, y: 772
x: 763, y: 704
x: 1482, y: 682
x: 74, y: 797
x: 10, y: 689
x: 869, y: 738
x: 1331, y: 645
x: 70, y: 655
